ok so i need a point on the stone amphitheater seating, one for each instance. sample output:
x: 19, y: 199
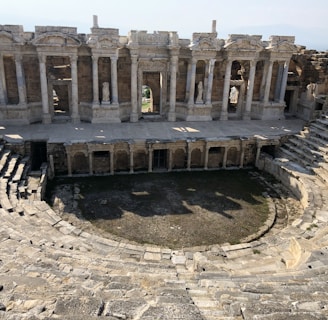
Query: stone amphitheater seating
x: 52, y: 269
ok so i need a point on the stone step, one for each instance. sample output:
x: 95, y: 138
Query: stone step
x: 3, y: 160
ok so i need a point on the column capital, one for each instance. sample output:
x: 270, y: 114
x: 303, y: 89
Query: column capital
x: 18, y: 57
x: 174, y: 59
x: 113, y: 57
x: 212, y: 62
x: 73, y: 58
x: 42, y: 57
x: 95, y: 57
x: 194, y: 60
x: 134, y: 58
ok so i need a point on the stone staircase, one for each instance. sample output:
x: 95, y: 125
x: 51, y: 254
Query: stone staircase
x: 54, y: 269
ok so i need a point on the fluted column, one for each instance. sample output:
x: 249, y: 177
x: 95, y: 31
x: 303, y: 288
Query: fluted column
x: 268, y: 82
x: 134, y: 88
x: 191, y: 99
x: 75, y: 94
x: 3, y: 89
x: 114, y: 98
x: 210, y: 82
x: 95, y: 84
x: 20, y: 79
x: 250, y: 88
x: 226, y: 90
x: 284, y: 82
x: 46, y: 117
x: 173, y: 87
x: 263, y: 80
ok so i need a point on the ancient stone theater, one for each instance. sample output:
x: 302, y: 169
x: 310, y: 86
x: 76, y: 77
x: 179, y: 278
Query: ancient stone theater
x: 104, y: 103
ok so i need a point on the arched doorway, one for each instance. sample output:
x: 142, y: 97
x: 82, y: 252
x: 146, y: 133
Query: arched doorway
x: 151, y: 88
x: 147, y: 100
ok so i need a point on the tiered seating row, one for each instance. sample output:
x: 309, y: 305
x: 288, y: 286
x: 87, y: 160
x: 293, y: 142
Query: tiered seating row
x: 50, y: 268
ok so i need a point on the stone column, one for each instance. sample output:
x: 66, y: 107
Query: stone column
x: 188, y: 82
x: 210, y: 82
x: 225, y: 156
x: 250, y: 87
x: 173, y: 87
x: 69, y: 164
x: 3, y: 89
x: 150, y: 158
x: 90, y: 162
x: 131, y: 147
x: 170, y: 160
x: 114, y: 95
x: 268, y: 82
x: 95, y: 84
x: 278, y: 81
x: 189, y: 157
x: 20, y: 79
x: 191, y: 99
x: 263, y: 80
x: 111, y: 160
x: 284, y: 82
x: 226, y: 91
x: 75, y: 94
x: 134, y: 88
x: 46, y: 117
x: 258, y: 152
x: 242, y: 155
x: 207, y: 148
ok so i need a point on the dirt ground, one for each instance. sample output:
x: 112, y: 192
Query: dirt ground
x: 174, y: 210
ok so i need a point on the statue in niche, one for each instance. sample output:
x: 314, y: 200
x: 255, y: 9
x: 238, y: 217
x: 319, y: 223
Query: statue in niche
x: 105, y: 92
x: 234, y: 95
x: 200, y: 92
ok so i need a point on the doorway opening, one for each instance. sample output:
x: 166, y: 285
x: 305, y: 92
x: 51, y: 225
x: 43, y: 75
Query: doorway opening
x: 151, y: 94
x: 160, y: 159
x: 60, y: 100
x: 38, y: 154
x: 147, y: 100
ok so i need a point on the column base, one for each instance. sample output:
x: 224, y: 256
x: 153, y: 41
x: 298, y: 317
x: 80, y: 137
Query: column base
x: 224, y: 115
x: 46, y: 118
x: 171, y: 117
x: 246, y: 116
x: 75, y: 118
x: 134, y: 117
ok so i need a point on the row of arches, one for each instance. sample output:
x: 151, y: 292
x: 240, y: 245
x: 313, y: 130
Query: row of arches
x: 102, y: 162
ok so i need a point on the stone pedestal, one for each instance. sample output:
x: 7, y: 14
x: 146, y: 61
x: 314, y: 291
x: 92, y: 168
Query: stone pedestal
x: 268, y: 111
x: 199, y: 113
x: 105, y: 113
x: 171, y: 116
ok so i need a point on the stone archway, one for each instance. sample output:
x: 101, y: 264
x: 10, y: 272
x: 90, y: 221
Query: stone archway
x: 151, y: 82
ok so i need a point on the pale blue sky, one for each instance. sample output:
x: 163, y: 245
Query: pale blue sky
x: 306, y: 20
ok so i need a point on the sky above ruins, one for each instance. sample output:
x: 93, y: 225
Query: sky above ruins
x: 306, y: 20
